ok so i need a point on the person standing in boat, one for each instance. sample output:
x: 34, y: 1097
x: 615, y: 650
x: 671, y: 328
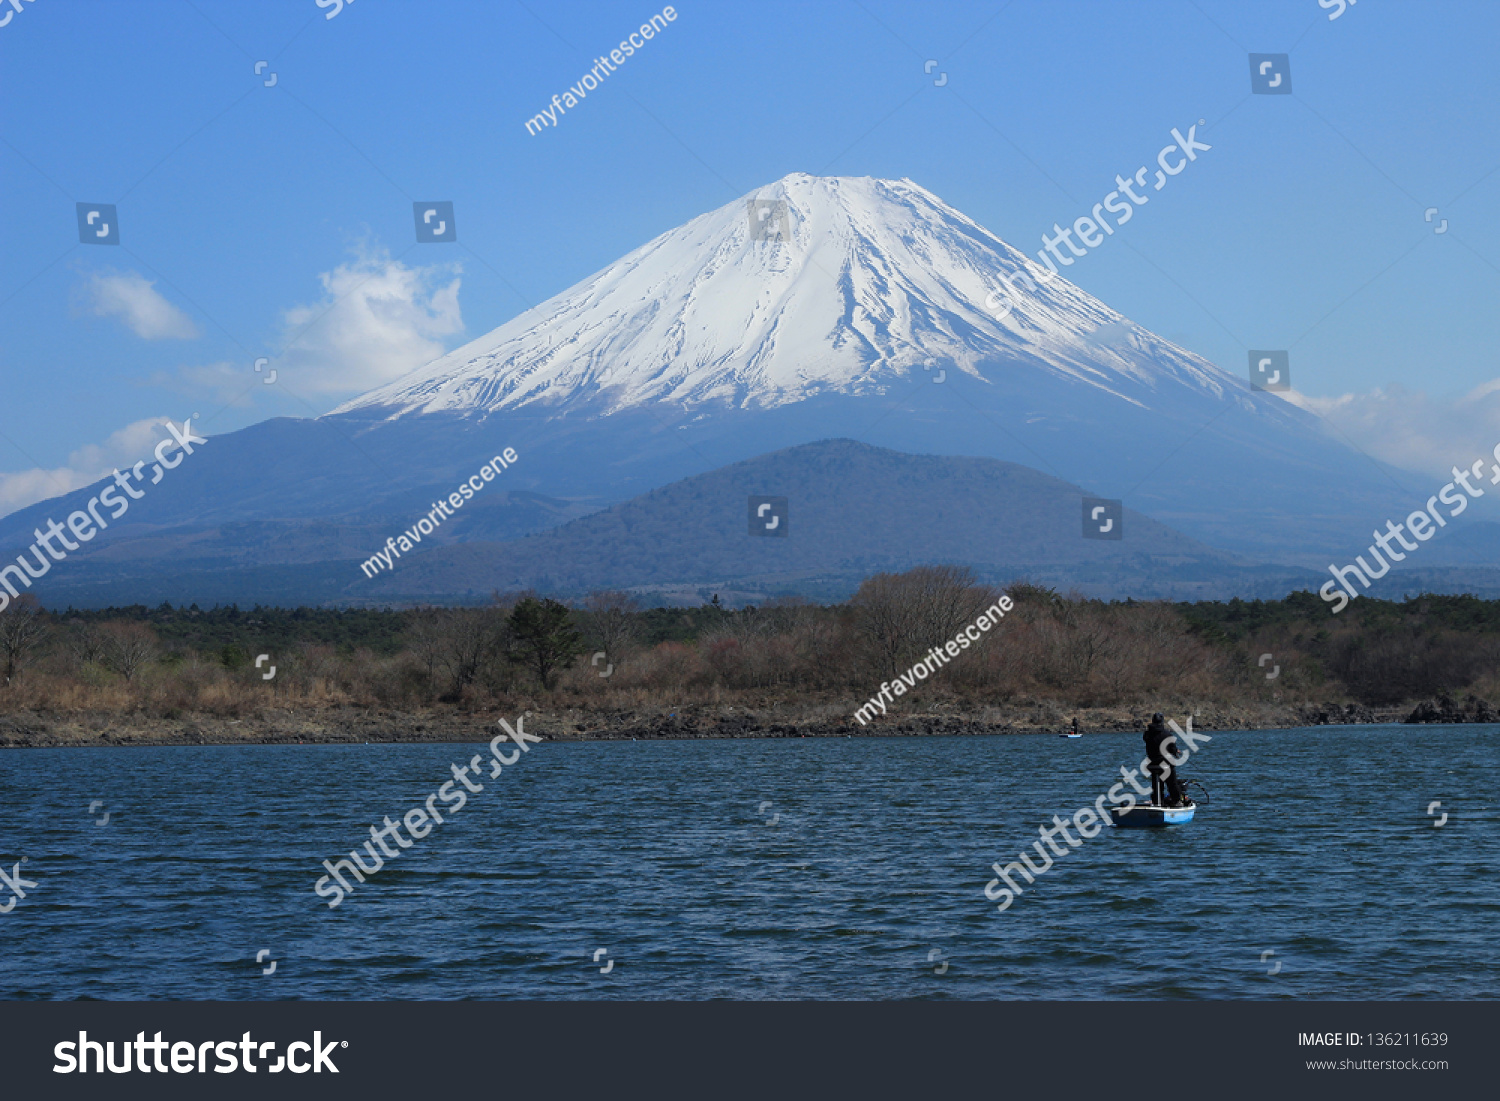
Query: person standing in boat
x: 1166, y: 785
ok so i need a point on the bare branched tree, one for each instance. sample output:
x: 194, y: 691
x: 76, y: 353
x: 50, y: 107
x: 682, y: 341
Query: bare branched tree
x: 86, y: 643
x: 1088, y: 638
x: 128, y: 647
x: 424, y: 637
x: 902, y: 615
x: 609, y: 621
x: 459, y: 642
x: 23, y: 630
x: 474, y: 637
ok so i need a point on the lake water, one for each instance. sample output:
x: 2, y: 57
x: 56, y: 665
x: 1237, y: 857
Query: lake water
x: 1317, y: 847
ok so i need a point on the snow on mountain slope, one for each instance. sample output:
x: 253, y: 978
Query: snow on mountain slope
x: 878, y: 277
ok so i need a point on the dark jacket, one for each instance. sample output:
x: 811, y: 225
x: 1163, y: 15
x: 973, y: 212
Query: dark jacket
x: 1154, y: 735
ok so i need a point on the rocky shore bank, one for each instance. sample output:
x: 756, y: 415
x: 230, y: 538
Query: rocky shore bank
x: 781, y: 719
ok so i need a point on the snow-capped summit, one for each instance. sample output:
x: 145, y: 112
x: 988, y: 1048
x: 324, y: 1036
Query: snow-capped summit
x: 850, y: 285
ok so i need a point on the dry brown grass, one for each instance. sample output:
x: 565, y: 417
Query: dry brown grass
x: 1050, y: 656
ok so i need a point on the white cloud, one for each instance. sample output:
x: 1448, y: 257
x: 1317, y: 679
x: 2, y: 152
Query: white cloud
x: 85, y: 466
x: 134, y: 299
x: 1411, y: 429
x: 377, y: 320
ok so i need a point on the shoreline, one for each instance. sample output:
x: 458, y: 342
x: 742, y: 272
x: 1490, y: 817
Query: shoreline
x: 353, y: 726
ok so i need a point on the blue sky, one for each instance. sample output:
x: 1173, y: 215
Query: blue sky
x: 277, y: 222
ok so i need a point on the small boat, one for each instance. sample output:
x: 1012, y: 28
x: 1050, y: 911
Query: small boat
x: 1070, y: 735
x: 1150, y: 814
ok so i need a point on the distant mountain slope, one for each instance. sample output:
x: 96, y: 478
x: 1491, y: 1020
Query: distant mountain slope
x: 853, y: 510
x: 153, y: 558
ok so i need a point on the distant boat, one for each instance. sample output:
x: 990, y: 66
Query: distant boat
x: 1070, y: 735
x: 1149, y: 814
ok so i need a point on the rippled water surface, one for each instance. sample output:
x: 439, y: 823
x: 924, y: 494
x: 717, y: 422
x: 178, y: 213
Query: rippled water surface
x: 809, y: 868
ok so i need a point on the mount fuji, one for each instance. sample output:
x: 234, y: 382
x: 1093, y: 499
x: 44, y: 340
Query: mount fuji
x: 877, y: 312
x: 812, y: 309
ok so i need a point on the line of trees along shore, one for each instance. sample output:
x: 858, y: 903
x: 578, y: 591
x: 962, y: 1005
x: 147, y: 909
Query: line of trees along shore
x: 607, y: 650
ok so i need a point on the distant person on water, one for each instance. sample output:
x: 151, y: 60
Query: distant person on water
x: 1166, y: 785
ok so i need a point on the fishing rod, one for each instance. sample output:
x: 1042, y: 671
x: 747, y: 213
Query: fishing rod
x: 1201, y: 786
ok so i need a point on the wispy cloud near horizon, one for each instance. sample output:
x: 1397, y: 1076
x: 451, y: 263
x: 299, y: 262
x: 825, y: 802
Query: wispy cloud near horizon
x: 85, y: 466
x: 1411, y: 429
